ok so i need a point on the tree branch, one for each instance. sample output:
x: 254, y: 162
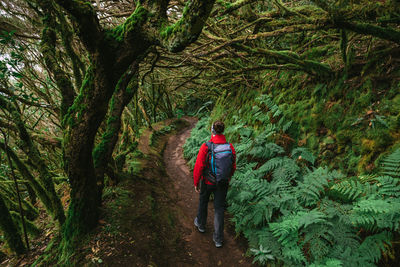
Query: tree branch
x: 387, y: 33
x: 89, y: 29
x: 179, y: 35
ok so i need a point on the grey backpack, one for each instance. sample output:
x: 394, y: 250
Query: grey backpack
x: 220, y: 162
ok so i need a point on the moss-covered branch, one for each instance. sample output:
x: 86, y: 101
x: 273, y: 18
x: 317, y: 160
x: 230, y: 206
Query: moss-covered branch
x: 309, y: 66
x: 179, y: 35
x: 26, y: 174
x: 42, y: 139
x: 230, y: 7
x: 66, y: 33
x: 48, y: 48
x: 30, y: 149
x: 275, y: 33
x: 87, y: 23
x: 10, y: 230
x: 124, y: 91
x: 385, y: 33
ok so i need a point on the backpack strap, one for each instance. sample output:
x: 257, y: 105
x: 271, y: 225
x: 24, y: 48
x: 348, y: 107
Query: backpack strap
x: 210, y: 146
x: 210, y: 153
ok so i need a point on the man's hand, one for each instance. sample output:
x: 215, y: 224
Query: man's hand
x: 196, y: 188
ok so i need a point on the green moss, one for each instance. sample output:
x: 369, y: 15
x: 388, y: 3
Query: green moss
x: 137, y: 18
x: 75, y: 112
x: 395, y: 104
x: 100, y: 150
x: 167, y: 31
x: 31, y: 228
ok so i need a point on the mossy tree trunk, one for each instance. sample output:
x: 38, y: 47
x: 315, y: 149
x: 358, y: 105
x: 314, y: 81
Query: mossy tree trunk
x: 11, y: 233
x: 112, y: 52
x: 125, y: 89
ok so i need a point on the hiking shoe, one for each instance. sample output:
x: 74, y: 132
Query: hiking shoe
x: 201, y: 229
x: 217, y: 243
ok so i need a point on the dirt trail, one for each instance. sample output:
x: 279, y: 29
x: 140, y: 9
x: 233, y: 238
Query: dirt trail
x: 199, y: 247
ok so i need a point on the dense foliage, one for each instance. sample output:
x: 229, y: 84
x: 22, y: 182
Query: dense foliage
x: 296, y: 213
x: 80, y: 79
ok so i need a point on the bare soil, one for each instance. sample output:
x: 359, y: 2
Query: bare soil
x: 200, y: 246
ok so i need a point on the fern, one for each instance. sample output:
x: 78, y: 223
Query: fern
x: 265, y: 238
x: 388, y: 186
x: 390, y: 166
x: 270, y: 165
x: 344, y: 238
x: 328, y: 263
x: 354, y: 188
x: 314, y: 185
x: 294, y: 216
x: 318, y: 239
x: 266, y: 151
x: 368, y: 253
x: 262, y: 255
x: 372, y: 247
x: 303, y: 153
x: 376, y: 214
x: 287, y: 170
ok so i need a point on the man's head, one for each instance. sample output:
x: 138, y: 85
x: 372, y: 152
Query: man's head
x: 218, y: 127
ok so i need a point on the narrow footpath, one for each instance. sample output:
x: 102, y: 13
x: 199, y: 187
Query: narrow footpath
x: 199, y: 246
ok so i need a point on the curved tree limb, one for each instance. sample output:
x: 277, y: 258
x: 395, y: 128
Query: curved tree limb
x: 179, y: 35
x: 385, y: 33
x: 48, y: 47
x: 87, y: 23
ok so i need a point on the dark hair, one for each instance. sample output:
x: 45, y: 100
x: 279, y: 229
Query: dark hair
x: 218, y: 127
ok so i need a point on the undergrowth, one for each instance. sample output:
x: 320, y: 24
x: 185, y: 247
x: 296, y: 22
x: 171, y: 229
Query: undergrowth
x: 294, y: 212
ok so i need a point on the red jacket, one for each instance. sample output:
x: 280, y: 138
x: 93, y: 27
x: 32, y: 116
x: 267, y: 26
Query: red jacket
x: 201, y: 160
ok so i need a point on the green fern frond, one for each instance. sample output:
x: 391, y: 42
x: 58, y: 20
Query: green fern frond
x: 371, y: 249
x: 388, y: 186
x: 262, y: 255
x: 328, y: 263
x: 304, y: 153
x: 318, y: 239
x: 314, y: 185
x: 286, y: 126
x: 377, y: 213
x: 293, y: 223
x: 266, y: 151
x: 391, y: 164
x: 287, y: 170
x: 294, y: 255
x: 352, y: 189
x: 345, y: 236
x: 270, y: 165
x: 265, y: 238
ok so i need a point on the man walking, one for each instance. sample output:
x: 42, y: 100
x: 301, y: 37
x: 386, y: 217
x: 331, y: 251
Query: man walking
x: 215, y: 165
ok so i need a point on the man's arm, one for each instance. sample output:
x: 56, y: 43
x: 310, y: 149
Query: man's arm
x: 200, y: 165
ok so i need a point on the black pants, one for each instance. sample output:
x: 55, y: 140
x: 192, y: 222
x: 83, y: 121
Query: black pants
x: 219, y: 208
